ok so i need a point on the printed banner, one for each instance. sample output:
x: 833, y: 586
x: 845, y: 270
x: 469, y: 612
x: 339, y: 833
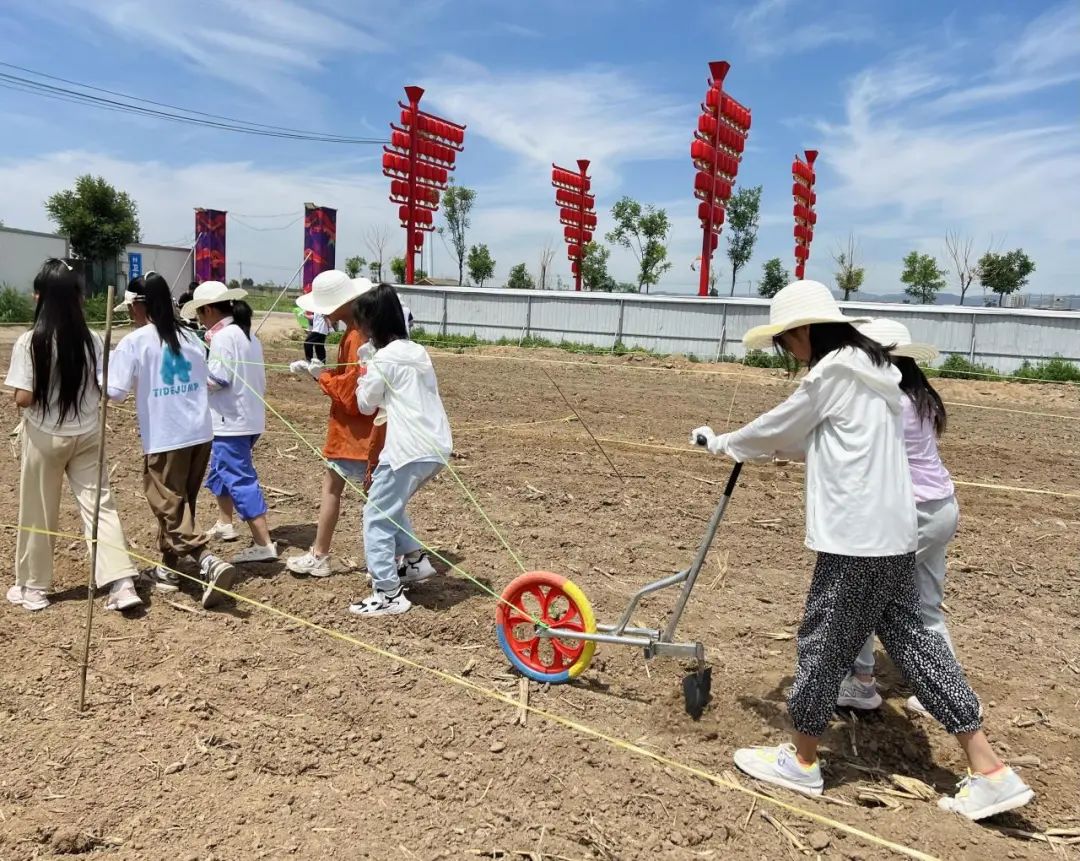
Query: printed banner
x: 320, y: 241
x: 209, y: 245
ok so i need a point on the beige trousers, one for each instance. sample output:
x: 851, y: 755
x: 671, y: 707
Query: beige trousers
x: 46, y: 458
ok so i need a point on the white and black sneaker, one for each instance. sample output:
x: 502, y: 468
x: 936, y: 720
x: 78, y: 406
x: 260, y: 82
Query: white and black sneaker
x: 161, y: 579
x: 415, y: 567
x: 219, y: 575
x: 382, y: 604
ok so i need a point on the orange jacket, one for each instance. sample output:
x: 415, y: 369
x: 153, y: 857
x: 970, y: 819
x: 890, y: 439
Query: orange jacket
x: 349, y: 435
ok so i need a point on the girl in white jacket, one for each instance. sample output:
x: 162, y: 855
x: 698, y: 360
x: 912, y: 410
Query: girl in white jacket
x: 399, y: 379
x: 846, y: 420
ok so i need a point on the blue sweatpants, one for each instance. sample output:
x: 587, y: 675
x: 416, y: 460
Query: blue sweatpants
x: 388, y: 532
x: 232, y: 474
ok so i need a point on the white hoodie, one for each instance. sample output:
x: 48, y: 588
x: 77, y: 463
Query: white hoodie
x: 846, y: 418
x: 400, y: 379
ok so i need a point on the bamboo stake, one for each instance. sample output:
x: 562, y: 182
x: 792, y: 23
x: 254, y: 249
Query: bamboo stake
x: 103, y: 411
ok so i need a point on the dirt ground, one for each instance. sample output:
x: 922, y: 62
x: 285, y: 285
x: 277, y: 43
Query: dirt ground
x: 241, y: 734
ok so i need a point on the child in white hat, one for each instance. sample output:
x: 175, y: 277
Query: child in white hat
x: 936, y: 509
x: 846, y: 420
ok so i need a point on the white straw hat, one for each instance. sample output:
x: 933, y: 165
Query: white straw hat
x: 894, y: 334
x: 332, y: 289
x: 210, y: 293
x: 799, y: 304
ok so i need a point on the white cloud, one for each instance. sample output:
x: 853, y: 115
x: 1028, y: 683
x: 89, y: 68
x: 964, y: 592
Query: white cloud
x: 769, y: 28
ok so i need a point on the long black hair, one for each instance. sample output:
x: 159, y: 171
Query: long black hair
x: 239, y: 310
x: 161, y: 311
x: 928, y: 403
x: 378, y: 314
x: 59, y: 319
x: 826, y: 338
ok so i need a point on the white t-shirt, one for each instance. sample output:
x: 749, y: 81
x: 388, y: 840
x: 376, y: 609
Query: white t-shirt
x: 846, y: 417
x: 21, y: 376
x: 170, y: 389
x: 238, y: 382
x: 320, y: 324
x: 401, y: 379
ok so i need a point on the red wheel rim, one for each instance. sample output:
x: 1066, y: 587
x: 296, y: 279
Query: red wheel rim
x: 541, y: 597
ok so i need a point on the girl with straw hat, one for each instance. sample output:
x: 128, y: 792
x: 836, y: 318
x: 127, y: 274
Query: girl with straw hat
x: 846, y: 420
x: 935, y: 501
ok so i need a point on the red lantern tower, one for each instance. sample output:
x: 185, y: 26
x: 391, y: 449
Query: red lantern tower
x: 716, y: 152
x: 802, y: 172
x: 577, y: 211
x: 418, y: 161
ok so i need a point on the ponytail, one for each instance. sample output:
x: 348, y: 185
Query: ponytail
x: 241, y: 315
x: 162, y: 312
x: 928, y: 404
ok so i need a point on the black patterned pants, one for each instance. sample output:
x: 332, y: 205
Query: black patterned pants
x: 850, y: 597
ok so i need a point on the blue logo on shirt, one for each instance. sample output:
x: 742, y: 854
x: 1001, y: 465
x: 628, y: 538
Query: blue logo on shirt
x: 175, y: 369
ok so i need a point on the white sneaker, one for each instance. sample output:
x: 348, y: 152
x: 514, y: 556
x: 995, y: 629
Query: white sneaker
x: 28, y: 597
x: 256, y: 553
x: 980, y: 796
x: 382, y: 604
x: 161, y: 579
x: 912, y: 704
x: 780, y: 766
x: 223, y: 532
x: 416, y: 570
x: 122, y: 596
x: 856, y: 694
x: 219, y: 575
x: 310, y: 564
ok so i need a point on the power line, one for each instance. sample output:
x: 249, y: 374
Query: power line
x: 126, y: 104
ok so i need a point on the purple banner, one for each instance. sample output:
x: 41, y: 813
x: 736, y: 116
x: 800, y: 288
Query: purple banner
x: 320, y: 241
x: 209, y: 245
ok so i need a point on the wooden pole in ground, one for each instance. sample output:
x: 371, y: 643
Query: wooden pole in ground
x: 103, y: 411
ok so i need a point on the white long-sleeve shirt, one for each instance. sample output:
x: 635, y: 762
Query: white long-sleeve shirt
x: 401, y: 379
x: 846, y: 417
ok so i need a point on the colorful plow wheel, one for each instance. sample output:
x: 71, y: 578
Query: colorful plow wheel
x: 551, y: 600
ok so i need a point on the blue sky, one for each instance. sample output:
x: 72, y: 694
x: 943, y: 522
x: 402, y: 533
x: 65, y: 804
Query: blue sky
x: 929, y: 116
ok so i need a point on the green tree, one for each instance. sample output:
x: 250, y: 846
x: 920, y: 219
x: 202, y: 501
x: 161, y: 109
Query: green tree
x: 849, y: 277
x: 774, y: 278
x: 247, y: 283
x: 481, y: 265
x: 743, y: 215
x: 519, y: 278
x: 594, y: 273
x: 233, y: 284
x: 354, y: 266
x: 397, y: 269
x: 1005, y: 273
x: 98, y: 220
x: 923, y: 278
x: 643, y: 230
x: 457, y: 204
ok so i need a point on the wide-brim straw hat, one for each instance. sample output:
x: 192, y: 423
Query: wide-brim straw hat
x: 332, y: 289
x: 895, y: 335
x: 210, y: 293
x: 801, y: 303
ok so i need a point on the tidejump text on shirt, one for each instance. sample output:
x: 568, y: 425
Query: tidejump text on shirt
x: 166, y: 391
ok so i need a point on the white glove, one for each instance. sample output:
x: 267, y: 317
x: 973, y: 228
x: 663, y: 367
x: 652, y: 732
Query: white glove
x: 298, y: 366
x: 366, y: 353
x: 315, y: 368
x: 705, y: 438
x: 380, y: 417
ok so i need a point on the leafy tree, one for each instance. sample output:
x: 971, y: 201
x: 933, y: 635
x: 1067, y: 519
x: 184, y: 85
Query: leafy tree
x: 849, y: 277
x: 519, y: 278
x: 626, y: 287
x: 594, y: 273
x: 354, y: 266
x: 233, y: 284
x: 98, y: 220
x: 774, y: 278
x: 643, y: 230
x: 481, y: 264
x: 247, y: 283
x: 457, y: 204
x: 1005, y: 273
x: 923, y: 277
x: 397, y: 269
x: 743, y: 215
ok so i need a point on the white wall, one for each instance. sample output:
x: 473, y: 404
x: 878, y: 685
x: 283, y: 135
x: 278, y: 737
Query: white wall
x: 22, y: 252
x: 999, y: 337
x: 175, y: 263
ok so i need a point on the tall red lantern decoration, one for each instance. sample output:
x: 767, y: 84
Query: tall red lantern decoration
x: 802, y: 172
x: 577, y: 211
x: 716, y: 151
x: 418, y: 162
